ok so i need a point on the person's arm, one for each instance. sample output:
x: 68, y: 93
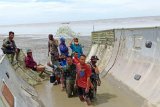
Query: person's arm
x: 96, y: 70
x: 71, y: 43
x: 81, y: 51
x: 6, y: 43
x: 88, y: 78
x: 48, y: 48
x: 14, y: 44
x: 56, y: 42
x: 75, y: 83
x: 61, y: 49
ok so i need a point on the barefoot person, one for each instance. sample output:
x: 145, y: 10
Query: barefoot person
x: 30, y: 63
x: 83, y: 80
x: 69, y: 74
x: 9, y: 46
x: 95, y: 80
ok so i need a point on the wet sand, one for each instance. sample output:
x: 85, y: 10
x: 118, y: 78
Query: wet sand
x: 109, y: 94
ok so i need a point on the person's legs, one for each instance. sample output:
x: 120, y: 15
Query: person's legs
x: 12, y: 57
x: 62, y: 83
x: 11, y: 52
x: 87, y: 97
x: 80, y: 93
x: 68, y: 88
x: 40, y: 68
x: 17, y: 53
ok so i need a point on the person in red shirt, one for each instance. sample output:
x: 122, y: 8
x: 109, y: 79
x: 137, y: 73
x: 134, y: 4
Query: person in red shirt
x: 30, y: 63
x: 83, y: 80
x: 75, y: 58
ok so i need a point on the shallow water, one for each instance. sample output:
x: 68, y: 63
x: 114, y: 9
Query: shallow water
x: 109, y: 94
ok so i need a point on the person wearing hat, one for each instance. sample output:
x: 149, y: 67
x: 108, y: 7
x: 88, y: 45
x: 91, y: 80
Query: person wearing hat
x: 95, y: 80
x: 75, y: 58
x: 62, y: 47
x: 76, y: 47
x: 30, y: 63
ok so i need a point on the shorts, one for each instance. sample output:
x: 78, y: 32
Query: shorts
x: 81, y: 92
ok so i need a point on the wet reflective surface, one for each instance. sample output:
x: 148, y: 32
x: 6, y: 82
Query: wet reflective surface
x: 110, y: 94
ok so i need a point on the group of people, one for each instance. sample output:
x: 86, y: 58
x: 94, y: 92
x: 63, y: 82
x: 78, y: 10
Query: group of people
x: 69, y: 69
x: 72, y: 71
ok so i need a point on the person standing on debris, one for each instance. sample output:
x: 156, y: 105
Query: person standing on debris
x: 9, y: 46
x: 76, y: 47
x: 53, y: 50
x: 83, y: 80
x: 62, y: 47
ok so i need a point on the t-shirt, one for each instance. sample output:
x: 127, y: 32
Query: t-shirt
x: 83, y: 72
x: 30, y: 63
x: 8, y: 45
x: 70, y: 72
x: 53, y: 44
x: 75, y: 60
x: 77, y: 48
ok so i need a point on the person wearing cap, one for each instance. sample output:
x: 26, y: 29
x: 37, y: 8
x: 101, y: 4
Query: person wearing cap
x: 95, y: 80
x: 30, y: 63
x: 53, y: 49
x: 62, y: 47
x: 94, y: 67
x: 9, y: 46
x: 76, y: 47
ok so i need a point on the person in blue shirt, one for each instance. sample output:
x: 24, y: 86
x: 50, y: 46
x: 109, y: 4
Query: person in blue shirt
x: 63, y: 48
x: 76, y: 47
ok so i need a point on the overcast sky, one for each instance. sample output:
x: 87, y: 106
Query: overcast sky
x: 41, y: 11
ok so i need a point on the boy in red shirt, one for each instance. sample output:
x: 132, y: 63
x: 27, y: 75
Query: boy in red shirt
x: 75, y: 58
x: 83, y: 79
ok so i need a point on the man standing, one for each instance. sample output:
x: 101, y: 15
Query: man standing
x: 69, y: 76
x: 95, y: 80
x: 9, y: 46
x: 83, y: 80
x: 53, y: 50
